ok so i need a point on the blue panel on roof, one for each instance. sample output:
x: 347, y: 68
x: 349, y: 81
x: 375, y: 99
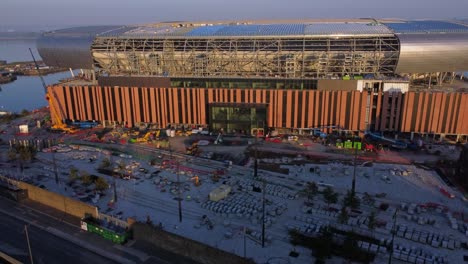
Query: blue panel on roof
x: 426, y: 26
x: 283, y: 29
x: 204, y: 31
x: 252, y: 30
x: 240, y: 30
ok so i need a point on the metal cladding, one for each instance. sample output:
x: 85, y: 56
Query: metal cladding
x: 69, y: 48
x: 420, y: 112
x: 294, y: 49
x: 431, y: 46
x: 421, y: 53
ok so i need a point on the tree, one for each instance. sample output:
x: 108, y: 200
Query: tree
x: 24, y: 112
x: 310, y: 190
x: 122, y: 167
x: 330, y: 195
x: 368, y: 199
x: 372, y: 221
x: 73, y: 176
x: 86, y: 179
x: 351, y: 200
x: 26, y: 153
x: 101, y: 184
x: 12, y: 155
x: 105, y: 163
x: 21, y: 154
x: 343, y: 216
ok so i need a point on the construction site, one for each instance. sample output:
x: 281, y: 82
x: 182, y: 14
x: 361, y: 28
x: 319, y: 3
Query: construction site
x: 242, y: 142
x: 208, y: 188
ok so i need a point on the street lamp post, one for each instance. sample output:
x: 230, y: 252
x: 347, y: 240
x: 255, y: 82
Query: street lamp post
x: 264, y: 185
x: 393, y: 236
x: 29, y: 244
x: 353, y: 184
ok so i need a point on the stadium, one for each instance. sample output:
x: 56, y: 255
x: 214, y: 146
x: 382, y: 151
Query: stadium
x: 240, y: 75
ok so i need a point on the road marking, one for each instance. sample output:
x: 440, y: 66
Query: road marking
x: 9, y: 259
x: 11, y: 250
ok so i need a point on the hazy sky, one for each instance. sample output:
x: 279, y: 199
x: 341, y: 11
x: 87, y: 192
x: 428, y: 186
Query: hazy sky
x: 38, y: 14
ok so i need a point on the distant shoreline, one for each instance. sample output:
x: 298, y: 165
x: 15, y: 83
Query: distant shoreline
x: 19, y: 35
x: 18, y: 38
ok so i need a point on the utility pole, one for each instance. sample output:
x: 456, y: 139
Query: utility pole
x: 180, y: 191
x: 263, y: 188
x: 353, y: 185
x: 179, y: 198
x: 29, y: 244
x: 114, y: 182
x: 263, y: 213
x: 245, y: 244
x: 55, y: 167
x: 393, y: 236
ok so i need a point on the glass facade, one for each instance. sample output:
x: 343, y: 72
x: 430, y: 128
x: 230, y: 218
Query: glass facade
x: 237, y: 118
x: 295, y: 84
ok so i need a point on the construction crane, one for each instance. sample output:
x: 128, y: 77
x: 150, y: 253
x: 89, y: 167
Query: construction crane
x: 57, y: 124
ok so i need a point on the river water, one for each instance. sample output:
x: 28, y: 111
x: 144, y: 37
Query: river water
x: 26, y: 92
x: 18, y: 50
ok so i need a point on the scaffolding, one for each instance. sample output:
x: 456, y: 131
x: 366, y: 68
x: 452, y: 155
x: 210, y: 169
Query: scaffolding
x: 241, y: 56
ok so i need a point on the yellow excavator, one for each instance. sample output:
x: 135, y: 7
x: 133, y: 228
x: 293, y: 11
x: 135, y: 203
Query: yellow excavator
x: 55, y: 116
x: 145, y: 138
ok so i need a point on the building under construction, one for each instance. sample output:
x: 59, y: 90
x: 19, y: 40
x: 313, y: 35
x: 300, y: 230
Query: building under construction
x: 353, y: 74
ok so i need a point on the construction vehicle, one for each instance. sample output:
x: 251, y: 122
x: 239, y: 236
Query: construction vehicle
x: 318, y: 131
x: 145, y: 138
x: 196, y: 181
x: 85, y: 124
x: 115, y: 134
x: 193, y: 149
x: 57, y: 124
x: 398, y: 144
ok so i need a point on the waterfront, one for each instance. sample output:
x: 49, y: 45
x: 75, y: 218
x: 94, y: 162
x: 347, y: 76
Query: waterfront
x: 27, y: 91
x: 18, y: 50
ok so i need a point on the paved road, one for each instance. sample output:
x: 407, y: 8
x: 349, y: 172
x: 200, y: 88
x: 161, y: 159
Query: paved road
x: 46, y: 248
x: 78, y: 246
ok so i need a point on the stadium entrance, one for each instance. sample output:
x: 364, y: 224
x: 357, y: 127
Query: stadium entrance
x: 240, y: 118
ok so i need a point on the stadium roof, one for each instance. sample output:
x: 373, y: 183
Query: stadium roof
x: 276, y: 28
x: 428, y: 26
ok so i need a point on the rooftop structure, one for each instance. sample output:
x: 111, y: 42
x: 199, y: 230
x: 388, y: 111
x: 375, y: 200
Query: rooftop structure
x: 308, y: 49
